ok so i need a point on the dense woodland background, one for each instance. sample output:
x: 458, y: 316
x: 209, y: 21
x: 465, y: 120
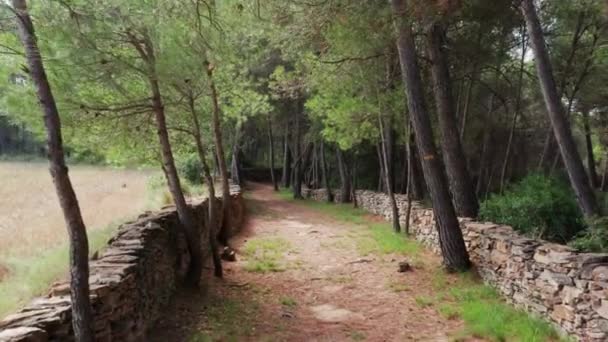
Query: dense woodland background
x: 338, y: 94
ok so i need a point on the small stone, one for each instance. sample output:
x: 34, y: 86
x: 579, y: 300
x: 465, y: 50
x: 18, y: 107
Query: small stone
x: 602, y: 310
x: 404, y: 266
x: 563, y: 312
x: 228, y: 254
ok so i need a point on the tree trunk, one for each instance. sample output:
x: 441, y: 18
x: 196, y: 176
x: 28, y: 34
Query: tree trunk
x: 353, y: 187
x: 286, y: 176
x: 82, y: 318
x: 484, y: 146
x: 455, y: 256
x: 381, y: 184
x: 236, y: 173
x: 408, y: 193
x: 325, y: 174
x: 345, y: 184
x: 603, y: 185
x: 212, y: 221
x: 298, y: 167
x: 184, y: 212
x: 463, y: 194
x: 559, y: 122
x: 418, y: 182
x: 589, y: 144
x: 224, y: 233
x: 273, y: 177
x: 522, y: 64
x: 387, y: 178
x: 469, y: 93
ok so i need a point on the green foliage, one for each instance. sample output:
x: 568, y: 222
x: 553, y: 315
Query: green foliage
x: 594, y: 238
x: 538, y: 206
x: 288, y: 302
x: 384, y: 240
x: 484, y: 313
x: 190, y: 168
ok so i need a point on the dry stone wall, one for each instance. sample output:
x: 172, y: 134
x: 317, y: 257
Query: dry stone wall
x: 131, y: 280
x: 566, y: 287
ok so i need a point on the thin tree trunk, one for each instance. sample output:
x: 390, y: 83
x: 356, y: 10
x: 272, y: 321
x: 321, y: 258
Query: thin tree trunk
x: 522, y: 64
x: 353, y: 188
x: 82, y: 318
x: 212, y: 221
x: 469, y: 93
x: 418, y: 182
x: 382, y: 172
x: 184, y: 212
x: 455, y: 256
x: 286, y: 176
x: 235, y: 165
x: 409, y: 182
x: 463, y: 194
x: 604, y: 184
x: 143, y: 45
x: 559, y: 122
x: 298, y: 167
x: 589, y: 144
x: 224, y: 233
x: 325, y: 174
x: 345, y: 184
x: 275, y: 184
x: 387, y: 179
x: 548, y: 145
x: 484, y: 147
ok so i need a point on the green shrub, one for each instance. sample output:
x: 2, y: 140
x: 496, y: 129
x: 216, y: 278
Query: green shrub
x: 538, y: 206
x: 593, y: 239
x: 191, y: 169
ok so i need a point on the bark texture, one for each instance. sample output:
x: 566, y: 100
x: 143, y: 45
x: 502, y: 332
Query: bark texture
x: 461, y: 186
x: 224, y: 232
x: 455, y: 256
x: 273, y: 177
x: 559, y: 122
x: 82, y: 319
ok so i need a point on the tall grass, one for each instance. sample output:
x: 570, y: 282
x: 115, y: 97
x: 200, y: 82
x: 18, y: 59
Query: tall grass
x: 31, y: 276
x: 484, y: 312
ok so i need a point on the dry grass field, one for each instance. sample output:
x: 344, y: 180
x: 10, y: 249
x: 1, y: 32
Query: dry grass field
x: 33, y: 238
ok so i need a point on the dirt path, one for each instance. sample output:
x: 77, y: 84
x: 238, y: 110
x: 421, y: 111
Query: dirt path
x: 328, y: 290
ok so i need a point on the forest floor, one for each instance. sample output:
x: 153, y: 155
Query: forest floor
x: 33, y: 238
x: 305, y: 275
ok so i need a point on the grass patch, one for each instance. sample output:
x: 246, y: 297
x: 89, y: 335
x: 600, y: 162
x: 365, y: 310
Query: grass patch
x: 485, y: 314
x: 340, y: 211
x: 31, y: 276
x: 383, y: 240
x: 397, y: 286
x: 225, y: 320
x: 378, y: 238
x: 288, y: 302
x: 357, y: 336
x: 424, y: 301
x: 266, y: 255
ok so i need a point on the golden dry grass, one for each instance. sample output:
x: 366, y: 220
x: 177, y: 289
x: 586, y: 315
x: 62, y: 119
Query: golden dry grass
x: 32, y: 230
x: 30, y: 216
